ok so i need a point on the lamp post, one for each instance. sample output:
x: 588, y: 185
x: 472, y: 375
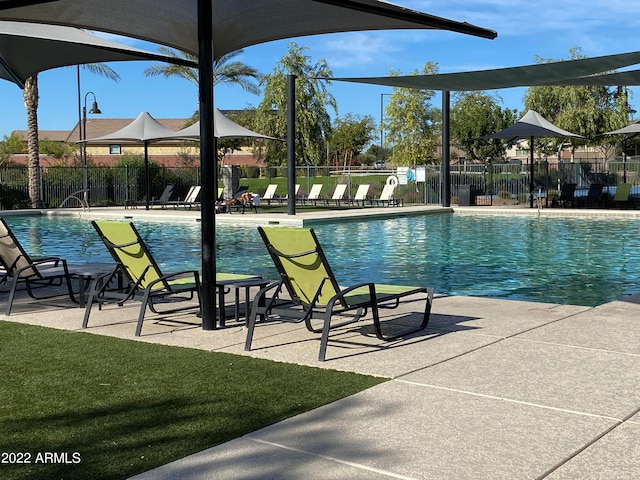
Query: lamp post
x: 83, y: 146
x: 382, y: 95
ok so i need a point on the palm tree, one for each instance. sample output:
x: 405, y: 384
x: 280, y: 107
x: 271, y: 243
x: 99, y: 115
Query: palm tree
x: 31, y: 98
x: 224, y: 70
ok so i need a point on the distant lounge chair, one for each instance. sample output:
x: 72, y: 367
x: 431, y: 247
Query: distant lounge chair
x: 593, y: 198
x: 386, y: 197
x: 361, y: 195
x: 567, y: 195
x: 296, y: 189
x: 270, y: 193
x: 338, y: 193
x: 314, y: 194
x: 163, y: 200
x: 143, y: 279
x: 621, y: 197
x: 315, y: 293
x: 190, y: 199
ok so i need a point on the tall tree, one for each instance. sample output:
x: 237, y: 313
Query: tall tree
x: 475, y: 114
x: 313, y: 123
x: 225, y: 71
x: 349, y: 136
x: 31, y: 98
x: 412, y: 124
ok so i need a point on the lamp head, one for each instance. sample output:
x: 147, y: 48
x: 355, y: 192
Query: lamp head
x: 94, y: 108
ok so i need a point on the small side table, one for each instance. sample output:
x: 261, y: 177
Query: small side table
x: 86, y: 273
x: 237, y: 285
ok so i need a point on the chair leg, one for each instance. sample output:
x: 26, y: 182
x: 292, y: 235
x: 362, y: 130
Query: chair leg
x: 143, y: 309
x: 425, y: 320
x: 93, y: 293
x: 259, y: 307
x: 324, y: 339
x: 12, y: 294
x: 251, y: 323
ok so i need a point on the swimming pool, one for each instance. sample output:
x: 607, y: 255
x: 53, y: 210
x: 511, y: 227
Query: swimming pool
x: 580, y: 261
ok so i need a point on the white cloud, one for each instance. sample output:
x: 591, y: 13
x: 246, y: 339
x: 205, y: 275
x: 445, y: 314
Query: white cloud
x: 355, y: 49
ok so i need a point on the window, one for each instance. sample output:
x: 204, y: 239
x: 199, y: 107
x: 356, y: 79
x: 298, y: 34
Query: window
x: 114, y: 149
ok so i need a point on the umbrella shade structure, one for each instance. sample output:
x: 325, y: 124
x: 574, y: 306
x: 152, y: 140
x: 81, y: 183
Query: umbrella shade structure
x: 223, y: 127
x: 531, y: 125
x: 213, y: 28
x: 27, y: 49
x: 144, y: 129
x: 629, y: 131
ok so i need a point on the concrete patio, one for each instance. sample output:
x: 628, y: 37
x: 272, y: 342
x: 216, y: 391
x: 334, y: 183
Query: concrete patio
x: 493, y: 389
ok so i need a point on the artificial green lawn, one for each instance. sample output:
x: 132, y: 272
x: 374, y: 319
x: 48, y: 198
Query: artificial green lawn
x: 123, y: 407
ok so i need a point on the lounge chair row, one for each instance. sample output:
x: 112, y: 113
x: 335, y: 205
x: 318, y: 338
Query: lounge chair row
x: 238, y: 202
x: 361, y: 197
x: 596, y: 197
x: 307, y: 290
x: 190, y: 200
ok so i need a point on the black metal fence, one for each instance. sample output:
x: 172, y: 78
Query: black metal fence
x: 479, y: 184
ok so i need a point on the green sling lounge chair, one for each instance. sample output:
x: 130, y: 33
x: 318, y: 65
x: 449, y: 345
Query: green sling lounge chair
x: 34, y: 272
x: 621, y: 198
x: 315, y: 293
x: 138, y: 276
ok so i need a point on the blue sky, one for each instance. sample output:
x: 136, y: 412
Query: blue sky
x: 525, y: 29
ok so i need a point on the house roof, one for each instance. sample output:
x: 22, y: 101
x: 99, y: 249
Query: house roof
x: 97, y: 127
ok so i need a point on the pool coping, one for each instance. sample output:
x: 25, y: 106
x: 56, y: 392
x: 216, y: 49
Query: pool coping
x: 307, y: 219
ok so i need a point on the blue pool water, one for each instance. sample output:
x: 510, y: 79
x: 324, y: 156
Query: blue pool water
x: 580, y: 261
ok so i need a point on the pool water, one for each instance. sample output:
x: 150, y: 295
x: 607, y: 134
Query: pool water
x: 580, y: 261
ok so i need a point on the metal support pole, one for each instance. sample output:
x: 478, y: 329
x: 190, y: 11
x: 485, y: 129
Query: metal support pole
x: 83, y: 136
x: 291, y: 144
x: 624, y: 160
x: 531, y: 176
x: 208, y: 164
x: 147, y: 177
x: 446, y: 153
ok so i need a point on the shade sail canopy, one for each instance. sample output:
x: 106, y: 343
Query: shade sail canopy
x: 236, y: 23
x: 27, y: 49
x: 532, y: 124
x: 223, y: 127
x: 144, y: 128
x: 568, y: 72
x: 630, y: 130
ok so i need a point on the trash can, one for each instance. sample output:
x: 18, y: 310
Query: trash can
x: 466, y: 195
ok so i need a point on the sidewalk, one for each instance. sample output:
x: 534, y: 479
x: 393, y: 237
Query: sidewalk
x: 493, y: 389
